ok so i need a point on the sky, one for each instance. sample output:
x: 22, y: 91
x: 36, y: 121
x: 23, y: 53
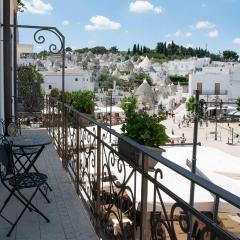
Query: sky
x: 211, y: 24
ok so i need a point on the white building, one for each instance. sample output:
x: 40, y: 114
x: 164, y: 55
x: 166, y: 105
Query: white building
x: 185, y: 66
x: 75, y: 79
x: 222, y: 81
x: 23, y: 49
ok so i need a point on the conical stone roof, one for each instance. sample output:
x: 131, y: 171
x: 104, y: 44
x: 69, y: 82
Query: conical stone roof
x: 145, y: 64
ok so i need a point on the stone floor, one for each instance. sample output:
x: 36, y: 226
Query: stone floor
x: 68, y: 218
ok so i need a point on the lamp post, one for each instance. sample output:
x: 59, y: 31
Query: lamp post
x: 217, y: 103
x: 194, y: 157
x: 110, y: 91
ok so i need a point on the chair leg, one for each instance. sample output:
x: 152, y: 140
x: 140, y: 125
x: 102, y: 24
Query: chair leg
x: 12, y: 193
x: 28, y: 203
x: 6, y: 201
x: 44, y: 195
x: 34, y: 207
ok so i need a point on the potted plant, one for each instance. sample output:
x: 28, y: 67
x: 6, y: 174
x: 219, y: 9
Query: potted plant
x: 83, y: 102
x: 144, y: 129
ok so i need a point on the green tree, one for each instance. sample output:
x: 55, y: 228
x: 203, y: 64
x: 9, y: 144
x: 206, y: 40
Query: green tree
x: 68, y: 49
x: 134, y: 49
x: 129, y: 104
x: 83, y: 101
x: 145, y: 129
x: 182, y: 80
x: 113, y: 49
x: 99, y: 50
x: 20, y: 6
x: 29, y: 88
x: 230, y: 56
x: 106, y: 81
x: 190, y: 104
x: 138, y: 78
x: 43, y: 54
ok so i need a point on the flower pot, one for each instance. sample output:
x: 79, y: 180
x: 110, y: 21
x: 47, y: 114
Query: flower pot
x: 134, y: 155
x: 83, y: 122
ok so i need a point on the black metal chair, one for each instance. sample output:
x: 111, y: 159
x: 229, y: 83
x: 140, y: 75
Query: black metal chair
x: 15, y: 182
x: 22, y: 155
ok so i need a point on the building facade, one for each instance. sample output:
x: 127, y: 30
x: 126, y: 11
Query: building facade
x: 222, y: 81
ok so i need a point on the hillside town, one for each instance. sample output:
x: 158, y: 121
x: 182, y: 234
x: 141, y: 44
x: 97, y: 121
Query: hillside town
x: 119, y: 120
x: 82, y: 71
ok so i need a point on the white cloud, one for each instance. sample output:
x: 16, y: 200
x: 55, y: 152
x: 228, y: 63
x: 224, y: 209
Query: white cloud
x: 204, y: 25
x: 91, y: 42
x: 143, y: 6
x: 37, y: 7
x: 65, y: 22
x: 101, y: 23
x: 178, y: 33
x: 188, y: 34
x: 213, y: 34
x: 236, y: 40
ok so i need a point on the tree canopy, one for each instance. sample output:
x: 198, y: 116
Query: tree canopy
x: 190, y: 104
x: 29, y: 88
x: 230, y: 56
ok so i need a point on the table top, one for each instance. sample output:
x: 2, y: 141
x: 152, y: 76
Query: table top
x: 30, y: 140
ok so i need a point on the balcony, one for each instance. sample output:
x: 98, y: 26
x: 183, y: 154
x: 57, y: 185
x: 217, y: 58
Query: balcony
x: 68, y: 218
x: 124, y: 197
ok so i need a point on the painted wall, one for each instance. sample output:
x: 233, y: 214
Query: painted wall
x: 229, y: 81
x: 73, y: 81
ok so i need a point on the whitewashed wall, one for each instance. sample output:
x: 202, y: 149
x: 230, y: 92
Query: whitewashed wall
x: 229, y: 81
x: 55, y: 80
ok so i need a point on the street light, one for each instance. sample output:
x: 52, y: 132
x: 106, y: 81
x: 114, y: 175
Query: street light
x: 217, y: 103
x: 110, y: 91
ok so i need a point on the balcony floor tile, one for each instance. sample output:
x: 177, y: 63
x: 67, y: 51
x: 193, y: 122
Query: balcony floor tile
x: 68, y: 218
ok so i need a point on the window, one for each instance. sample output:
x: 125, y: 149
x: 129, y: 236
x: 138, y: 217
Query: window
x: 50, y: 87
x: 217, y: 88
x: 76, y: 79
x: 199, y: 87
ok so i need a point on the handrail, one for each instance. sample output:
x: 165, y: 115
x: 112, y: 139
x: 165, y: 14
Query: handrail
x: 88, y: 156
x: 211, y: 187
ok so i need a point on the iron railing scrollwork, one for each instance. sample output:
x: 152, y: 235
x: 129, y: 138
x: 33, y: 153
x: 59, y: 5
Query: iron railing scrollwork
x: 39, y: 37
x: 110, y: 184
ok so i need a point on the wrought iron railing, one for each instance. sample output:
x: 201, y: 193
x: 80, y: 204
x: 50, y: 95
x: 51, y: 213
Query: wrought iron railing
x: 123, y: 198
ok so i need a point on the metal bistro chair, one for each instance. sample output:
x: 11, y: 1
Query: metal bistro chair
x: 22, y: 155
x: 15, y: 182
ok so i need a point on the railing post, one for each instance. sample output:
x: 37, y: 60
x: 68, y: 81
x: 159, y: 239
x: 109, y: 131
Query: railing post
x: 65, y: 137
x: 78, y: 150
x: 98, y: 175
x: 58, y: 127
x: 144, y: 194
x: 53, y: 118
x: 194, y: 157
x: 49, y: 114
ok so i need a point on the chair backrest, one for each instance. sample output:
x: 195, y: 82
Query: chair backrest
x: 6, y: 159
x: 13, y: 129
x: 2, y: 126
